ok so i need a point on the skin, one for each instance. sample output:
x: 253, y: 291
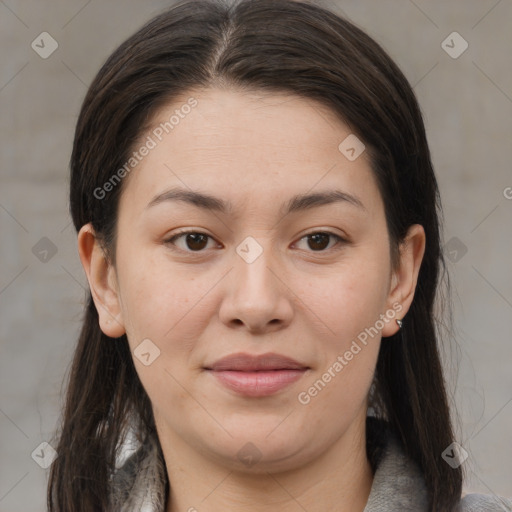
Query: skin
x: 294, y: 300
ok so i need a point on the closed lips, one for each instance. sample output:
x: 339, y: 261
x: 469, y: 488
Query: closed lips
x: 259, y: 363
x: 256, y: 376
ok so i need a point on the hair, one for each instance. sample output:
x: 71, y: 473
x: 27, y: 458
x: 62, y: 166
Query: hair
x: 281, y: 46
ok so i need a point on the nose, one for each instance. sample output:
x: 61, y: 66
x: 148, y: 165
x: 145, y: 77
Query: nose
x: 257, y: 297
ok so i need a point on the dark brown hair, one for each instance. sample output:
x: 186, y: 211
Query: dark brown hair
x: 268, y: 45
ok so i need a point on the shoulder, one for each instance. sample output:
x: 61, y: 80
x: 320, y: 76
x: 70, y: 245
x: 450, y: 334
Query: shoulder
x: 484, y: 503
x: 399, y: 484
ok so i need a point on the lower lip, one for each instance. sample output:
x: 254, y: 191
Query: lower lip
x: 255, y: 384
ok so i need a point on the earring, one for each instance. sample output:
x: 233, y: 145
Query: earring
x: 400, y: 323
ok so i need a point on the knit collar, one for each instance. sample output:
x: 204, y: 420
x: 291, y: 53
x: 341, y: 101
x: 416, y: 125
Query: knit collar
x: 398, y: 483
x: 140, y: 483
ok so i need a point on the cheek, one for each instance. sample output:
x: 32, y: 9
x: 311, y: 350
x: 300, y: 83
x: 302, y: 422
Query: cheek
x: 348, y: 351
x: 155, y: 298
x: 350, y: 299
x: 158, y: 305
x: 350, y: 305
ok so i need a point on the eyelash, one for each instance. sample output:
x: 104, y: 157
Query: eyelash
x: 170, y: 241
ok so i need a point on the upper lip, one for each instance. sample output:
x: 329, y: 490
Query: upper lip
x: 248, y: 362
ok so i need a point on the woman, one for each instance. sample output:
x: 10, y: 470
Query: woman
x: 257, y: 217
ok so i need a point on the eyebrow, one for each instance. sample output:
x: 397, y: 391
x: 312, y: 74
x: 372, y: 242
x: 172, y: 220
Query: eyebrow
x: 299, y: 202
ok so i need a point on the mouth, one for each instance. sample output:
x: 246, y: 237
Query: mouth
x: 256, y: 376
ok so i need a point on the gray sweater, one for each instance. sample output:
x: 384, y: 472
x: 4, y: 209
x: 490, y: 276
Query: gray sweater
x: 139, y: 485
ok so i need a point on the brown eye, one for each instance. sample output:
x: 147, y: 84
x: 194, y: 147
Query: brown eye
x: 194, y: 241
x: 319, y: 241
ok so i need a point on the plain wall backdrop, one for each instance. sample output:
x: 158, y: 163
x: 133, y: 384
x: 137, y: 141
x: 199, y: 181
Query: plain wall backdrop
x: 466, y: 98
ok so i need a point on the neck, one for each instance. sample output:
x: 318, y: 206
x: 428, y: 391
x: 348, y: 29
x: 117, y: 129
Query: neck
x: 339, y: 479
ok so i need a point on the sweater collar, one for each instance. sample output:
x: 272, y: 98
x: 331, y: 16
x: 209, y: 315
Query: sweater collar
x: 398, y: 483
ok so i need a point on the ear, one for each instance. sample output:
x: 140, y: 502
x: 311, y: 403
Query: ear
x: 405, y: 277
x: 102, y: 282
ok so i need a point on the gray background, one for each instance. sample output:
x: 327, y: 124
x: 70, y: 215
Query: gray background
x: 467, y: 104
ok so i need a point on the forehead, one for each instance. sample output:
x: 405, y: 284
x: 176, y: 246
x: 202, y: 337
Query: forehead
x: 266, y: 124
x: 245, y: 145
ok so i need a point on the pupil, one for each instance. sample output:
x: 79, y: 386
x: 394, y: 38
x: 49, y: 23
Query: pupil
x: 316, y: 240
x: 194, y: 237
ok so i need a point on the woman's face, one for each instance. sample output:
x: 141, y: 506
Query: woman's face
x: 263, y: 272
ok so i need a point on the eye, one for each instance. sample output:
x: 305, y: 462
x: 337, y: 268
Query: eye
x: 195, y: 241
x: 319, y: 240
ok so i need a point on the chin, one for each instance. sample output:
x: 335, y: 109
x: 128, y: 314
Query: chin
x: 257, y: 452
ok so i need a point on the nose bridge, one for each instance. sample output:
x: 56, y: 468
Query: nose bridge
x: 255, y: 267
x: 256, y: 297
